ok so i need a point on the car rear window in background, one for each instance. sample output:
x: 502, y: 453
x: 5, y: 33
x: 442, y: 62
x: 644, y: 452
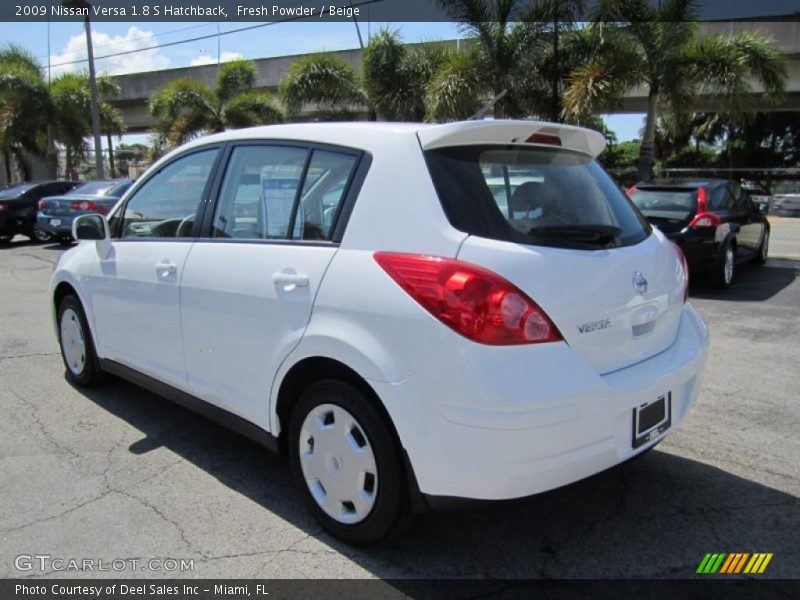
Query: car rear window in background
x: 671, y: 204
x: 533, y: 195
x: 15, y: 190
x: 94, y: 188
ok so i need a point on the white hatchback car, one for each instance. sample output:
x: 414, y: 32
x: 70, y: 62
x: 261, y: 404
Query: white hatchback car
x: 356, y: 295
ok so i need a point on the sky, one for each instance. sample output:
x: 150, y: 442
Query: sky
x: 67, y: 43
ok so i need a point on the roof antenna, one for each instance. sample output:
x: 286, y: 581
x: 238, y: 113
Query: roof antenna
x: 489, y: 105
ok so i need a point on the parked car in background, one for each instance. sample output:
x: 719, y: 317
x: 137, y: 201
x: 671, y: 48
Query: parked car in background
x: 760, y: 196
x: 714, y: 221
x: 786, y: 205
x: 366, y: 298
x: 18, y: 206
x: 56, y: 213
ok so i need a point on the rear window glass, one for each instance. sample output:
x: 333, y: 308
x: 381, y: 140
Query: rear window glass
x: 666, y: 204
x: 94, y: 188
x: 16, y: 190
x: 532, y: 195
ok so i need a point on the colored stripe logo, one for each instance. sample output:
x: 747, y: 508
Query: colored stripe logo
x: 734, y: 563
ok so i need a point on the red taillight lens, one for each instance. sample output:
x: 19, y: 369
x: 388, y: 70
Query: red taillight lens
x: 630, y: 190
x: 684, y: 266
x: 84, y: 205
x: 703, y: 218
x: 476, y: 303
x: 41, y: 204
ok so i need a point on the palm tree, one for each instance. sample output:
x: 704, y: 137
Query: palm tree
x: 24, y: 109
x: 392, y: 84
x: 637, y: 44
x: 512, y: 47
x: 187, y: 107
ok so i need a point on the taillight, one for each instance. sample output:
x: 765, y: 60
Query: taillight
x: 84, y: 205
x: 473, y: 301
x: 703, y: 218
x: 630, y: 190
x: 41, y: 204
x: 684, y: 266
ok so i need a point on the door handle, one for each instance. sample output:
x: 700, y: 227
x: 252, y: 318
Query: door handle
x: 287, y: 278
x: 166, y: 268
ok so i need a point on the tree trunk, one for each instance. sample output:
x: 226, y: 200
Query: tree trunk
x: 646, y: 152
x: 112, y: 171
x: 7, y: 166
x: 555, y: 100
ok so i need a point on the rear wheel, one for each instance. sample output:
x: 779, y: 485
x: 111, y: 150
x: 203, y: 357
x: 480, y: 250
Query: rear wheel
x: 726, y: 267
x: 40, y: 235
x: 763, y: 250
x: 77, y: 347
x: 347, y: 463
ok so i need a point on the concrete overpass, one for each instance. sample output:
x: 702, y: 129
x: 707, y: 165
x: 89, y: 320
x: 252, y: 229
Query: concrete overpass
x: 136, y: 88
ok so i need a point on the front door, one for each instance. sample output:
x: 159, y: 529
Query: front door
x: 135, y: 291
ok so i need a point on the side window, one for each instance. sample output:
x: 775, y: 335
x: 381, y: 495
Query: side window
x: 324, y: 188
x: 719, y: 196
x: 166, y: 205
x: 259, y: 192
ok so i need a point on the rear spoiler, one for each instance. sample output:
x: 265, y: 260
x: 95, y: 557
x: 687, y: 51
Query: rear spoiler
x: 504, y: 131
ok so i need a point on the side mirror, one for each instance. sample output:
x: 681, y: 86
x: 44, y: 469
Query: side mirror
x: 93, y: 228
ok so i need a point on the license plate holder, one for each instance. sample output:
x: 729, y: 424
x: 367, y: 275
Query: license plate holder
x: 651, y: 419
x: 55, y: 222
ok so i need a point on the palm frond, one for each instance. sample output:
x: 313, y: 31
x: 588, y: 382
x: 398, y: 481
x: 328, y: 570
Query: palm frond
x: 324, y: 80
x: 252, y: 108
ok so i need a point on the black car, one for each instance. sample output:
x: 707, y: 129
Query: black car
x: 56, y: 213
x: 714, y: 221
x: 18, y: 206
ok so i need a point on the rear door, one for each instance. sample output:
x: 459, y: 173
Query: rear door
x: 744, y: 215
x: 250, y: 281
x: 135, y: 290
x: 573, y: 243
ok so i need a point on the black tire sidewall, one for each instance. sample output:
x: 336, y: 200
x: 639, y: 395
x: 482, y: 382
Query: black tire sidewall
x: 391, y: 503
x: 91, y: 370
x: 719, y: 272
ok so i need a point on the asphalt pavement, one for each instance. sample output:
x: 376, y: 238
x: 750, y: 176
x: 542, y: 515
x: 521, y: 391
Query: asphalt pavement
x: 117, y: 473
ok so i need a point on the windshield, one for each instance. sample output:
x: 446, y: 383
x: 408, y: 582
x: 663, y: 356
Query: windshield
x: 15, y: 190
x: 533, y: 195
x: 94, y: 188
x: 673, y: 204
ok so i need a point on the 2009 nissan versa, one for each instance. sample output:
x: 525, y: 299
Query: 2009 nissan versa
x: 413, y: 313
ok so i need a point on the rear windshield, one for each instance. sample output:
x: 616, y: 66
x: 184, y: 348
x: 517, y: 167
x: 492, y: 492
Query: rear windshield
x: 532, y: 195
x: 94, y: 188
x: 672, y: 204
x: 16, y: 190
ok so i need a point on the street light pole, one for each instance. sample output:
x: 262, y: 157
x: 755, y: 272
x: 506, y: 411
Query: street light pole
x: 98, y: 146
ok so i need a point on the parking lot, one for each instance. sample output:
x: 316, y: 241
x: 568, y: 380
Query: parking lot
x: 117, y: 473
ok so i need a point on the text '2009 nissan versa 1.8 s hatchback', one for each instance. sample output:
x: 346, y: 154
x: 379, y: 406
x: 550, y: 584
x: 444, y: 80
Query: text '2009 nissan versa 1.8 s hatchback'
x: 368, y: 299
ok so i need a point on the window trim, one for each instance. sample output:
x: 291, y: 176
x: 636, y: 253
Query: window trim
x: 131, y: 193
x: 363, y: 160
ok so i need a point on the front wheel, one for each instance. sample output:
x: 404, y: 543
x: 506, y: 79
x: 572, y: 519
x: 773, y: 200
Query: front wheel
x: 77, y: 347
x: 763, y: 250
x: 347, y: 463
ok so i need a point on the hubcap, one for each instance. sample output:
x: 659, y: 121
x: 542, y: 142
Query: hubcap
x: 72, y: 343
x: 40, y: 235
x: 728, y: 273
x: 338, y: 463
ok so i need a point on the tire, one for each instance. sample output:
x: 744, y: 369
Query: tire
x: 337, y: 437
x: 65, y: 241
x: 38, y: 235
x: 763, y: 250
x: 5, y: 239
x: 77, y: 346
x: 725, y: 268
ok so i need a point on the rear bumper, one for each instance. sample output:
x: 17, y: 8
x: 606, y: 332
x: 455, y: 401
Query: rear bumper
x: 492, y: 423
x: 64, y: 228
x: 700, y: 247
